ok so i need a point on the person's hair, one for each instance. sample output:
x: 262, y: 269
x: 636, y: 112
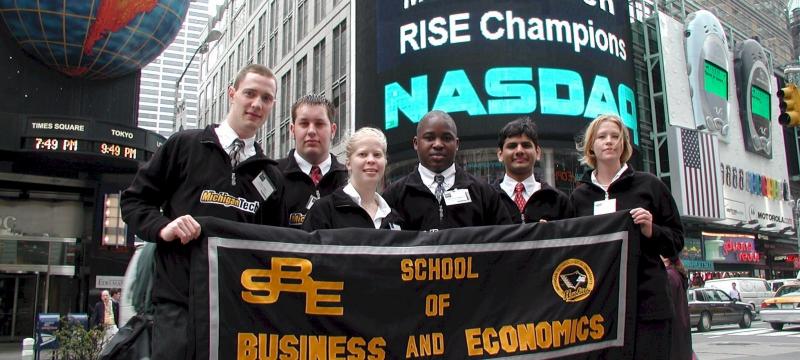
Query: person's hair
x: 361, y: 134
x: 441, y: 114
x: 114, y: 292
x: 585, y: 145
x: 677, y: 264
x: 519, y: 126
x: 252, y: 68
x: 313, y: 100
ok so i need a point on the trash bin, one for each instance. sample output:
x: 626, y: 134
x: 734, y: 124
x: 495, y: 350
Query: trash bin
x: 45, y: 337
x: 79, y: 318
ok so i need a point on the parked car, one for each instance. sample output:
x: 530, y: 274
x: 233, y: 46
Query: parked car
x: 784, y: 308
x: 709, y: 306
x: 751, y: 290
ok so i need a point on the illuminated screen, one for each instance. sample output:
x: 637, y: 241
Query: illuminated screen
x: 487, y: 63
x: 716, y: 80
x: 759, y: 102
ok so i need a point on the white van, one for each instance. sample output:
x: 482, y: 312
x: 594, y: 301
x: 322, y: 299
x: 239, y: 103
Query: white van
x: 752, y: 290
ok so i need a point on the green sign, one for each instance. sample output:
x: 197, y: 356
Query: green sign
x: 759, y: 102
x: 698, y: 265
x: 716, y: 80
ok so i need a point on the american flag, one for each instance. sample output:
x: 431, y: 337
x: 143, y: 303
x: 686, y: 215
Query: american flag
x: 702, y: 188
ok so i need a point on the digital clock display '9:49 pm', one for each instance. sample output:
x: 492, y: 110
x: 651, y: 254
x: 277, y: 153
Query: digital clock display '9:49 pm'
x: 119, y: 151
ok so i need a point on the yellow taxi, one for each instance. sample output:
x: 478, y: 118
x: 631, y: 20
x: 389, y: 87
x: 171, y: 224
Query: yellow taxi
x: 782, y: 309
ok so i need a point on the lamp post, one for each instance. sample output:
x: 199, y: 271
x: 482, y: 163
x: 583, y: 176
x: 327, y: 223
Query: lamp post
x: 180, y: 103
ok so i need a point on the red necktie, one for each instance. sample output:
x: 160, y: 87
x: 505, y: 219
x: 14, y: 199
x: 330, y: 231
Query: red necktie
x: 316, y: 174
x: 518, y: 198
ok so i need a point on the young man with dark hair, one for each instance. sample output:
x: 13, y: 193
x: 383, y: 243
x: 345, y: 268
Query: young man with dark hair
x: 310, y: 171
x: 526, y: 199
x: 200, y: 173
x: 438, y: 194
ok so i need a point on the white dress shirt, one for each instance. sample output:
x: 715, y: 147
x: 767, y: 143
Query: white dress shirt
x: 305, y: 166
x: 226, y: 136
x: 531, y: 186
x: 428, y: 177
x: 616, y: 176
x: 383, y: 207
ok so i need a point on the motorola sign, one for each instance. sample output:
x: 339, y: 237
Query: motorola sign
x: 485, y: 63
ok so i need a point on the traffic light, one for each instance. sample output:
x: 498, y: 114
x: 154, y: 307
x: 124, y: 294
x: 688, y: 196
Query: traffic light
x: 789, y: 103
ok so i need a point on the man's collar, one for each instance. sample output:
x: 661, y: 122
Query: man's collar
x: 531, y: 185
x: 305, y: 166
x: 227, y: 135
x: 383, y: 206
x: 427, y: 175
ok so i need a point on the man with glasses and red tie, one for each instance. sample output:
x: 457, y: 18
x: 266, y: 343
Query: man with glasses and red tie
x: 526, y: 199
x: 198, y: 173
x: 310, y: 171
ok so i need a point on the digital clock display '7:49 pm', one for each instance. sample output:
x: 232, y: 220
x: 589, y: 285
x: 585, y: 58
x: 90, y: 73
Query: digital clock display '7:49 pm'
x: 54, y: 144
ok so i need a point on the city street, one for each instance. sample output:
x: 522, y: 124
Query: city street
x: 757, y: 342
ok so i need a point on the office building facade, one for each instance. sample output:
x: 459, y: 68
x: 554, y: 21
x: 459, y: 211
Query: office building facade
x: 157, y: 100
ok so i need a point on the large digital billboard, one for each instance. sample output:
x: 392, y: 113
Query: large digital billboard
x: 487, y: 62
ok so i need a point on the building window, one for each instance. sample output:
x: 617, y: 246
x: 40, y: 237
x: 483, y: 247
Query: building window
x: 262, y: 28
x: 286, y: 95
x: 114, y: 229
x: 286, y: 116
x: 300, y: 80
x: 302, y: 19
x: 241, y: 56
x: 287, y: 35
x: 272, y: 52
x: 339, y: 68
x: 319, y: 11
x: 250, y: 39
x: 231, y: 72
x: 269, y: 145
x: 319, y: 68
x: 339, y: 91
x: 273, y: 16
x: 285, y: 141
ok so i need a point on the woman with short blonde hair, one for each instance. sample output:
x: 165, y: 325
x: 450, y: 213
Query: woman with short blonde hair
x: 357, y: 204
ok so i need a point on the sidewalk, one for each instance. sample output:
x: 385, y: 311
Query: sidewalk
x: 13, y: 351
x: 10, y: 350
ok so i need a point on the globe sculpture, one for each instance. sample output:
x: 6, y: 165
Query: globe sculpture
x: 94, y: 39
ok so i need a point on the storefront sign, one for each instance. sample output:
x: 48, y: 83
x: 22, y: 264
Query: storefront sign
x: 732, y: 248
x: 108, y: 282
x: 698, y: 265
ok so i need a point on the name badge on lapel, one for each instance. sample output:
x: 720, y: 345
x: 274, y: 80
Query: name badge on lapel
x: 457, y: 196
x: 605, y: 206
x: 263, y: 185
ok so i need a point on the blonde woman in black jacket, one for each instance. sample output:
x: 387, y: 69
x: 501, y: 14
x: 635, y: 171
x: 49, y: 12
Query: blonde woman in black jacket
x: 613, y: 185
x: 357, y: 204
